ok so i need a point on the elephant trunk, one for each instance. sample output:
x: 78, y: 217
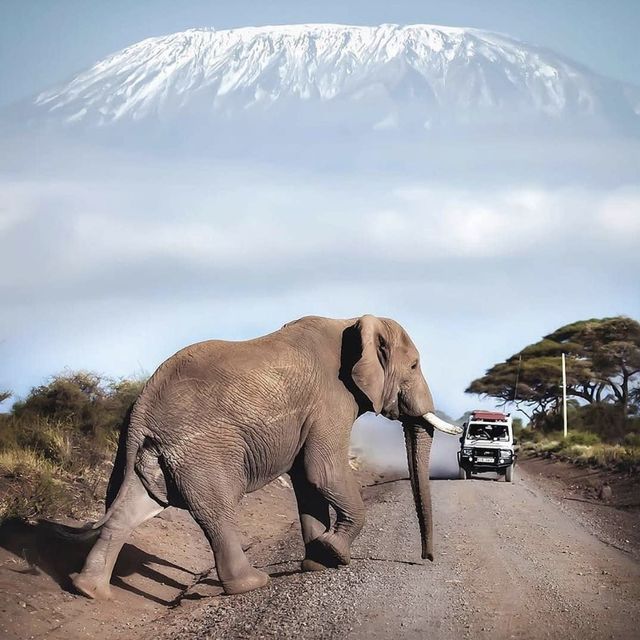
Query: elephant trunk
x: 418, y: 443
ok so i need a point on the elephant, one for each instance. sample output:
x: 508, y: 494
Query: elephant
x: 220, y: 419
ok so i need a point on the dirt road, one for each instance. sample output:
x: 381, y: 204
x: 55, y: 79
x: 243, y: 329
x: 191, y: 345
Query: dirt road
x: 510, y: 564
x: 512, y: 561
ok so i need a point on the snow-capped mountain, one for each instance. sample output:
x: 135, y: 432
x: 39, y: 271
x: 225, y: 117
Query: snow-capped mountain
x: 383, y: 77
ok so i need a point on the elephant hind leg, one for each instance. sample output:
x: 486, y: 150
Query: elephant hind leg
x: 135, y: 507
x: 214, y: 512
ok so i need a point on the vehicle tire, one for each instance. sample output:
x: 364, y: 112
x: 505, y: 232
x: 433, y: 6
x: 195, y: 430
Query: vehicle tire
x: 509, y: 474
x: 462, y: 474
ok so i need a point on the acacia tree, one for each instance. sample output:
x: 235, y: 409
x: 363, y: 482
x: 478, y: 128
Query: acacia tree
x: 603, y: 365
x: 610, y: 349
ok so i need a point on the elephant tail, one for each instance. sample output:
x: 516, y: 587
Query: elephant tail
x: 84, y: 533
x: 123, y: 466
x: 129, y: 444
x: 120, y: 463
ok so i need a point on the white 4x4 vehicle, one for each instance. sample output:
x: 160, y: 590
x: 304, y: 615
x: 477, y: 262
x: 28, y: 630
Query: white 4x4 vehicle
x: 487, y: 444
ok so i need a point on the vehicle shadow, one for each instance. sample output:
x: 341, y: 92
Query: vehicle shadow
x: 43, y: 549
x: 488, y: 478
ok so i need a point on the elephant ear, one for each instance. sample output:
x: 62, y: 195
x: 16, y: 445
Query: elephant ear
x: 368, y: 372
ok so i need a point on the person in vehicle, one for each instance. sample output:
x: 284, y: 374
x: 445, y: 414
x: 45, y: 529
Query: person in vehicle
x: 489, y: 432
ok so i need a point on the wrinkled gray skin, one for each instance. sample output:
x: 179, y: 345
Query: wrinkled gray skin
x: 220, y: 419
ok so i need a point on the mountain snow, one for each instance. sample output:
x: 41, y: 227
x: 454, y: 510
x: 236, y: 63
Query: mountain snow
x: 387, y: 76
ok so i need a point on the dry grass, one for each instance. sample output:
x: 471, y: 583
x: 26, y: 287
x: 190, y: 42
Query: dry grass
x: 621, y: 457
x: 48, y: 469
x: 32, y: 485
x: 20, y: 462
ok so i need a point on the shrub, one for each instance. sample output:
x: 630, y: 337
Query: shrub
x: 582, y: 438
x: 632, y: 440
x: 75, y: 398
x: 53, y: 444
x: 602, y: 419
x: 528, y: 435
x: 81, y: 399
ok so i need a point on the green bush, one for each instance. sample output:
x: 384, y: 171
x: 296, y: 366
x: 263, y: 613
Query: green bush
x: 632, y: 439
x: 53, y: 443
x: 602, y: 419
x: 81, y: 399
x: 582, y: 437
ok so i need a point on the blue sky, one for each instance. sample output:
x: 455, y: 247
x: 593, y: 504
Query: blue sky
x: 43, y: 42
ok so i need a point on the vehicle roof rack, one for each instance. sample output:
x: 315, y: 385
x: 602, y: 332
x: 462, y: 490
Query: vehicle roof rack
x: 489, y: 416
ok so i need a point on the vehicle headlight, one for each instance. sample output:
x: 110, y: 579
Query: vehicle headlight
x: 466, y: 452
x: 505, y: 453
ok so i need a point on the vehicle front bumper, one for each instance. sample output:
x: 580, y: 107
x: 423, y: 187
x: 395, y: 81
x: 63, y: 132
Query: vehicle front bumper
x: 471, y: 462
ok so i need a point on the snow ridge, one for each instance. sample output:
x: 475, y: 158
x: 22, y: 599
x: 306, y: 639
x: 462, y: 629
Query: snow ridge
x: 423, y: 72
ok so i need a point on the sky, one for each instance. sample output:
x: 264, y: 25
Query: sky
x: 44, y: 42
x: 112, y: 262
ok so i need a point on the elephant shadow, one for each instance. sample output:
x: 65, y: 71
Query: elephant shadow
x: 43, y: 549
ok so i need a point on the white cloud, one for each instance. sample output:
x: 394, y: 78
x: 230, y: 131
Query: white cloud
x: 117, y: 272
x: 619, y: 215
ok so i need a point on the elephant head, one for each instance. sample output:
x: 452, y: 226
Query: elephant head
x: 388, y: 374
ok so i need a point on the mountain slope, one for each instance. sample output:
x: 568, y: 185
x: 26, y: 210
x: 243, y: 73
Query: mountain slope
x: 382, y: 77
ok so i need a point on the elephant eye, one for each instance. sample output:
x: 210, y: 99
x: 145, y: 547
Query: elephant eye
x: 414, y: 365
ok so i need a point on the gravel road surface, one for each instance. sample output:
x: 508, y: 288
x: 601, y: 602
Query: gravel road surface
x: 509, y: 564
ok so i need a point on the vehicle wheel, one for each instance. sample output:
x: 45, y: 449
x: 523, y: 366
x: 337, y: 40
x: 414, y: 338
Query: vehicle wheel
x: 462, y: 474
x: 509, y: 473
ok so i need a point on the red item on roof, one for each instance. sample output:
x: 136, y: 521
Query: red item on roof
x: 488, y: 415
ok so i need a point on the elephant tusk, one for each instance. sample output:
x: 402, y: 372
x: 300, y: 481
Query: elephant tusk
x: 441, y: 424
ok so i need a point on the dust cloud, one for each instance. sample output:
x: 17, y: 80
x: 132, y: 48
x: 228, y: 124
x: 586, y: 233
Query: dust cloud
x: 381, y: 443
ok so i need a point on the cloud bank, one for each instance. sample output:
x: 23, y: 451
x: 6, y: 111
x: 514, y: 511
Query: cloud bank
x: 115, y: 266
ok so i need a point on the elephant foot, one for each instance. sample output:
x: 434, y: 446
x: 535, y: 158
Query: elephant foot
x: 90, y: 587
x: 326, y: 551
x: 311, y: 565
x: 252, y: 579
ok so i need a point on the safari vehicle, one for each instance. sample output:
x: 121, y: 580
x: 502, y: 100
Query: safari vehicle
x: 487, y: 444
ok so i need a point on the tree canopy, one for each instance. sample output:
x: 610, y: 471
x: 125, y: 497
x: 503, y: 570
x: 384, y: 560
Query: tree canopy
x: 602, y: 362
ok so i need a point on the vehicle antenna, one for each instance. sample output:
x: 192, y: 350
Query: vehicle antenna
x: 515, y: 388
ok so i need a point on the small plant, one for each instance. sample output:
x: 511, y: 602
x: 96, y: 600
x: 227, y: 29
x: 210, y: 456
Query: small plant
x: 582, y: 438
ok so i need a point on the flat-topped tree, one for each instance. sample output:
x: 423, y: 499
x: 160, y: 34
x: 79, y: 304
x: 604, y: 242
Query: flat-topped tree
x: 603, y: 365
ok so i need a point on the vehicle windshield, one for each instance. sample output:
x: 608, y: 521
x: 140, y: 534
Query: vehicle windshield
x: 483, y: 431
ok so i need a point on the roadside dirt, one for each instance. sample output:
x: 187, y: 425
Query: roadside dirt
x: 165, y: 565
x: 606, y: 503
x: 512, y: 561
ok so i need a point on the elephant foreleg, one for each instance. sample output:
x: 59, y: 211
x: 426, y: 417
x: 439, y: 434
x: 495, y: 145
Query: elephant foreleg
x: 313, y: 507
x: 334, y: 481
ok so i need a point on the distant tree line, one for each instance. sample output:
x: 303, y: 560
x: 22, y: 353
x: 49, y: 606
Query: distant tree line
x: 603, y: 376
